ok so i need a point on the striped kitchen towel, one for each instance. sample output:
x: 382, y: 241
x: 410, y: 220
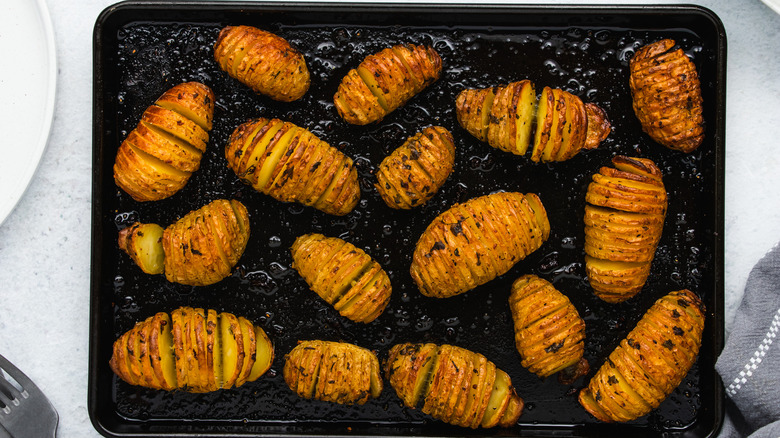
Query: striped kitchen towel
x: 750, y: 362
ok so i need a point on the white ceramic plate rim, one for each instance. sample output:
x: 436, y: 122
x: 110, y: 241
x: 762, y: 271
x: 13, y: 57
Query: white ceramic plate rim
x: 773, y: 4
x: 25, y: 157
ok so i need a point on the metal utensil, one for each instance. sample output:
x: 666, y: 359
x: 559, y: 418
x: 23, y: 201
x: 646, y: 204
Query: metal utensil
x: 24, y: 409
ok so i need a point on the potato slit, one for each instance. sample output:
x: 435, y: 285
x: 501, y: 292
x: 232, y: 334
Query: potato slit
x: 278, y: 148
x: 158, y: 164
x: 372, y: 84
x: 173, y: 138
x: 186, y: 112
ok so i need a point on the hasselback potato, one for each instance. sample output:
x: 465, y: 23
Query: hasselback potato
x: 476, y: 241
x: 263, y: 61
x: 333, y: 371
x: 666, y: 95
x: 414, y: 172
x: 343, y: 275
x: 623, y: 225
x: 291, y: 164
x: 650, y: 362
x: 549, y: 333
x: 384, y: 81
x: 509, y: 118
x: 199, y: 249
x: 193, y: 349
x: 453, y: 384
x: 158, y: 157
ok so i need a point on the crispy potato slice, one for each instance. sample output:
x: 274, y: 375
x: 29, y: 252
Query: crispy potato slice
x: 264, y: 355
x: 144, y: 177
x: 143, y: 243
x: 250, y: 350
x: 232, y: 348
x: 160, y: 353
x: 119, y: 362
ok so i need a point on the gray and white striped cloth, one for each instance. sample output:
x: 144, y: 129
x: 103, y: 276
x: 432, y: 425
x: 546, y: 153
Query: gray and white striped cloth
x: 750, y: 362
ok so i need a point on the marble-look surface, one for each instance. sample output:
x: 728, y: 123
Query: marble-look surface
x: 45, y: 242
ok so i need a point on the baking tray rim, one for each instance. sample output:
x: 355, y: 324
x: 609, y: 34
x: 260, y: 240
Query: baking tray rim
x: 247, y: 6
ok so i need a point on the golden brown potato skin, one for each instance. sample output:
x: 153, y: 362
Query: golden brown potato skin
x: 549, y: 333
x: 476, y: 241
x: 623, y: 223
x: 667, y: 95
x: 336, y: 372
x: 291, y: 164
x: 202, y: 247
x: 177, y: 351
x: 452, y: 384
x: 158, y: 157
x: 413, y: 173
x: 650, y: 362
x: 384, y: 81
x: 343, y: 275
x: 505, y: 116
x: 263, y: 61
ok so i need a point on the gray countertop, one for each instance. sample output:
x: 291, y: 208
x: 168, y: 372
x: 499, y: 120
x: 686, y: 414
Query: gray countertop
x: 45, y: 242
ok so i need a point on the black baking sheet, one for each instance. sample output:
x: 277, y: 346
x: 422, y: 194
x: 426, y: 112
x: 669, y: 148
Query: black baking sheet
x: 143, y: 48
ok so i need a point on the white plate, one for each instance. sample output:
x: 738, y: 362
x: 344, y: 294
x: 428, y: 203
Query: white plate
x: 774, y: 4
x: 28, y: 78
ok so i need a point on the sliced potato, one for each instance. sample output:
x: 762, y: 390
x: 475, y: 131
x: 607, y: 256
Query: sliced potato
x: 291, y: 164
x: 453, y: 384
x: 342, y: 275
x: 158, y: 157
x: 623, y: 226
x: 197, y: 350
x: 385, y: 81
x: 263, y: 61
x: 336, y: 372
x: 666, y: 95
x: 474, y: 242
x: 650, y: 362
x: 505, y: 117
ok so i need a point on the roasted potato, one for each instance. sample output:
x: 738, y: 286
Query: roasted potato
x: 453, y: 384
x: 158, y: 157
x: 476, y: 241
x: 509, y: 118
x: 666, y: 95
x: 549, y: 333
x: 264, y: 62
x: 623, y: 225
x: 291, y: 164
x: 333, y: 371
x: 199, y: 249
x: 414, y: 172
x: 343, y: 275
x: 384, y: 81
x: 194, y: 350
x: 650, y: 362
